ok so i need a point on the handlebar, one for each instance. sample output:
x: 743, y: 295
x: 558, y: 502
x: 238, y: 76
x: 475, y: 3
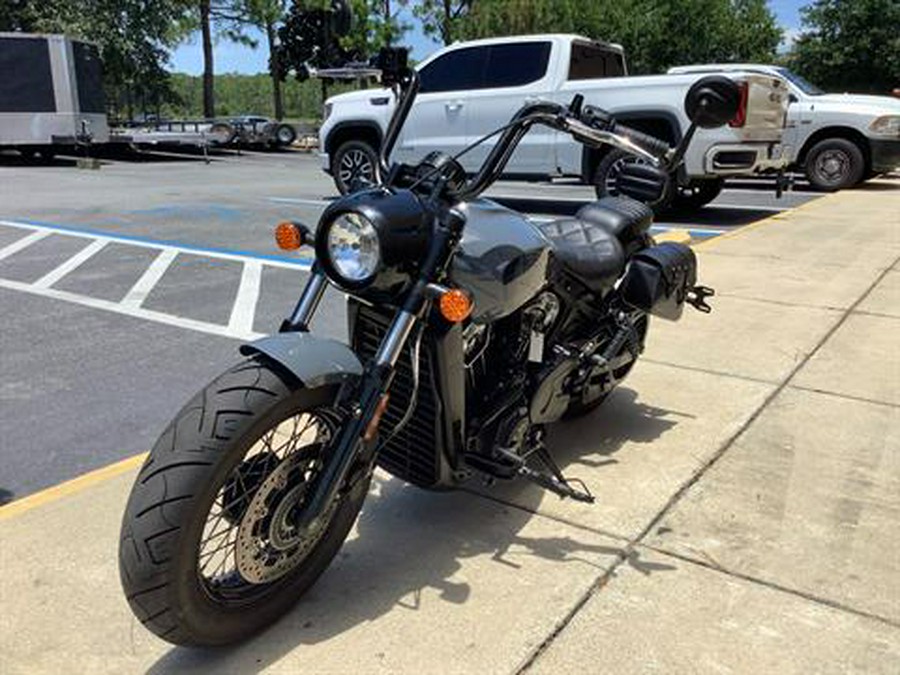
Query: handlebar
x: 593, y: 127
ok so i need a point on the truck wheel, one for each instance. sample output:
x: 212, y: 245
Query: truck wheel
x: 697, y: 194
x: 285, y: 135
x: 834, y: 164
x: 353, y: 160
x: 607, y: 172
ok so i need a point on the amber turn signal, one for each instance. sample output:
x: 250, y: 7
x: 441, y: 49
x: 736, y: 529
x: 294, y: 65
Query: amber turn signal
x: 288, y: 236
x: 456, y: 305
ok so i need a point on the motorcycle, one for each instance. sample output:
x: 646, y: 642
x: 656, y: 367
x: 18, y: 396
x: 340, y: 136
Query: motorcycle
x: 472, y: 329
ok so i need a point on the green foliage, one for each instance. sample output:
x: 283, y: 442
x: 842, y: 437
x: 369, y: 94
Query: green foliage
x: 850, y: 45
x: 656, y: 34
x: 441, y: 19
x: 245, y: 95
x: 133, y: 37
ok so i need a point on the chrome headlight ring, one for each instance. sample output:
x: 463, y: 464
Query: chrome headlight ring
x: 352, y: 250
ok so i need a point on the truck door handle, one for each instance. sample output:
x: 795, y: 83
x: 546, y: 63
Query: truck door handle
x: 453, y: 106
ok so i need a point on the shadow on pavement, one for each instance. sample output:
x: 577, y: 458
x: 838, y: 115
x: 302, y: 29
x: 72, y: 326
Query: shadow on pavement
x: 720, y: 216
x: 395, y: 557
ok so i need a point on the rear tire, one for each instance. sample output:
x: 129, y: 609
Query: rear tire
x: 204, y: 461
x: 352, y: 161
x: 834, y: 164
x: 579, y: 408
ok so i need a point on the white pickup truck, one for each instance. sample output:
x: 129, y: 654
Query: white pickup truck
x: 838, y: 140
x: 469, y: 89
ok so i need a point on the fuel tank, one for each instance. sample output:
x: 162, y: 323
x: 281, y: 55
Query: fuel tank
x: 502, y: 259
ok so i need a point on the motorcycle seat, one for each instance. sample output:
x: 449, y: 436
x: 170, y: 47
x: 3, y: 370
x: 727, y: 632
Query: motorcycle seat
x: 590, y: 253
x: 628, y: 220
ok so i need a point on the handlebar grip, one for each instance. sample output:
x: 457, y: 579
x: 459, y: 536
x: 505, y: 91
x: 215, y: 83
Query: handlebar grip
x: 651, y: 144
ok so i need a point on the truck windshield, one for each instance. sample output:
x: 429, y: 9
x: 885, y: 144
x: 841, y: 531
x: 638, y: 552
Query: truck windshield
x: 806, y: 87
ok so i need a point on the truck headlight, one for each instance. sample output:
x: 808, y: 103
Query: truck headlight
x: 353, y: 249
x: 886, y: 125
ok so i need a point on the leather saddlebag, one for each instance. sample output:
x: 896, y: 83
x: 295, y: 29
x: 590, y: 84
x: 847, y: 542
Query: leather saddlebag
x: 659, y: 278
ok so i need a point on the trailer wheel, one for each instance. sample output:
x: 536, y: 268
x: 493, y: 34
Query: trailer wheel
x: 285, y: 135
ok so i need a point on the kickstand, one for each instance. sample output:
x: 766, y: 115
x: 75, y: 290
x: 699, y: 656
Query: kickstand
x: 564, y: 487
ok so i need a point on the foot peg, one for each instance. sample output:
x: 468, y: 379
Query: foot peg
x: 696, y: 297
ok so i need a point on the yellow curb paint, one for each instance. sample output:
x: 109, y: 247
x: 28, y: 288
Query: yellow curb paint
x: 678, y: 236
x: 768, y: 220
x: 70, y: 487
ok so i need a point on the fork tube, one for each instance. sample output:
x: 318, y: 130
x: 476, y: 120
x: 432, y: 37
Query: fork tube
x: 393, y: 342
x: 308, y: 302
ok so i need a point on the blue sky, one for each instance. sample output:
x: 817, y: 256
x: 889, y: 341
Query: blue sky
x: 231, y: 58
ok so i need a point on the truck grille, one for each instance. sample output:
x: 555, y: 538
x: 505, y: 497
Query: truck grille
x: 411, y: 454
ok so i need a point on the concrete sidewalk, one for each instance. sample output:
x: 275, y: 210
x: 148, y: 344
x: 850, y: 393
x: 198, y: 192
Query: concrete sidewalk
x: 748, y: 515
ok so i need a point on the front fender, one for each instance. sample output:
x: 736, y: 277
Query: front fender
x: 313, y: 360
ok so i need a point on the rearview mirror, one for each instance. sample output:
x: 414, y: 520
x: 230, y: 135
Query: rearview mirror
x: 712, y: 101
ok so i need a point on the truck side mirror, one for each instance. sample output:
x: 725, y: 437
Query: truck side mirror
x: 712, y: 101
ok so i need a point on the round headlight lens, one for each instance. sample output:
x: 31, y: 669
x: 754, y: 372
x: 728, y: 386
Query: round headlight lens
x: 353, y: 247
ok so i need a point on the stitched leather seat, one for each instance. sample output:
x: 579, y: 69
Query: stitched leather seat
x: 588, y: 251
x: 624, y: 218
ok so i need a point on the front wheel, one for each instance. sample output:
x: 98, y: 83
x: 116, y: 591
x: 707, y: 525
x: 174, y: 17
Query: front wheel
x: 353, y: 162
x: 835, y: 164
x: 209, y: 553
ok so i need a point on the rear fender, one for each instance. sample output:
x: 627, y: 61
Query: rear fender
x: 313, y: 360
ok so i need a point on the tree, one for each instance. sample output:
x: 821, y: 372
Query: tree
x: 441, y: 18
x: 849, y: 45
x: 133, y: 36
x: 656, y: 34
x: 267, y: 14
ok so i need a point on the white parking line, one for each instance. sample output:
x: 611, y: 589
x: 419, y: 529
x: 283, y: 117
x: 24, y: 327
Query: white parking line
x: 71, y: 264
x: 22, y: 243
x: 142, y: 287
x: 244, y: 309
x: 118, y: 308
x: 142, y: 242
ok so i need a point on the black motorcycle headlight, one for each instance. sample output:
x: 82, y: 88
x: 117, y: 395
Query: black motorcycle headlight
x: 372, y: 239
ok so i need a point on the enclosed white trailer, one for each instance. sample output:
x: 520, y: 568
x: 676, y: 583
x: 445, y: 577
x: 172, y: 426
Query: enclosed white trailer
x: 51, y: 93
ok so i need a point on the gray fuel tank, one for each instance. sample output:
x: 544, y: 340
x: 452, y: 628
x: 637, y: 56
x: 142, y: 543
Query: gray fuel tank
x: 502, y: 259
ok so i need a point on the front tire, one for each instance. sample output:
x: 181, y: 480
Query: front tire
x: 353, y: 161
x: 835, y: 164
x: 207, y: 555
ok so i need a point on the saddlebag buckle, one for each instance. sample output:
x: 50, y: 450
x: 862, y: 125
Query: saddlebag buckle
x: 696, y: 297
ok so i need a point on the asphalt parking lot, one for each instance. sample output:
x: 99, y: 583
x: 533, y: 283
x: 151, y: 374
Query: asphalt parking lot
x: 123, y: 290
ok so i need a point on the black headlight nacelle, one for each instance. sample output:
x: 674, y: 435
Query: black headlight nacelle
x: 404, y: 230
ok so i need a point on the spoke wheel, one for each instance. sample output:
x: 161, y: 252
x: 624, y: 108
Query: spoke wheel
x: 249, y: 538
x: 209, y: 552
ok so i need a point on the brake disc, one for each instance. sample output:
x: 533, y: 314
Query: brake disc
x: 268, y: 545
